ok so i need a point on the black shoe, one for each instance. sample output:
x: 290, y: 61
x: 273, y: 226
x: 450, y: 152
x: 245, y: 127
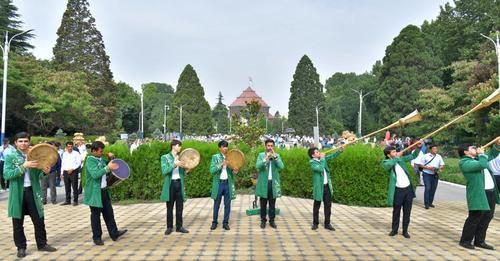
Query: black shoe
x: 272, y: 224
x: 213, y: 226
x: 314, y: 227
x: 47, y: 248
x: 182, y: 230
x: 44, y: 202
x: 262, y: 224
x: 226, y: 227
x: 119, y: 234
x: 98, y: 242
x: 168, y: 231
x: 432, y: 206
x: 485, y: 246
x: 65, y: 203
x: 406, y: 235
x: 75, y: 203
x: 21, y: 252
x: 467, y: 245
x: 329, y: 227
x: 393, y: 233
x: 426, y: 207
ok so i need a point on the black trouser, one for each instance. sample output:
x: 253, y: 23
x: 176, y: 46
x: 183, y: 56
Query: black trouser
x: 29, y: 207
x: 4, y: 183
x: 71, y: 181
x: 175, y: 197
x: 497, y: 179
x: 403, y: 197
x: 107, y: 214
x: 327, y: 206
x: 272, y: 204
x: 477, y: 222
x: 49, y: 181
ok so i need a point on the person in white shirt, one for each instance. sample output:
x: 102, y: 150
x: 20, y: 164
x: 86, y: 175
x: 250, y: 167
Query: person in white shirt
x: 71, y: 162
x: 5, y: 150
x: 431, y: 163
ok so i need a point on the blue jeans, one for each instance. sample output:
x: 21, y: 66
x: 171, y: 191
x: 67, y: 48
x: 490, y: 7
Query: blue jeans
x: 430, y: 183
x: 223, y: 191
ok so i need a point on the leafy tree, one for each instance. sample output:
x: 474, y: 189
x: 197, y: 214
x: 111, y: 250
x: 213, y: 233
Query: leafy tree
x: 408, y: 66
x: 220, y: 116
x: 129, y: 107
x: 9, y: 21
x: 247, y: 126
x: 156, y: 97
x: 60, y: 134
x: 196, y: 112
x: 306, y: 93
x: 80, y: 47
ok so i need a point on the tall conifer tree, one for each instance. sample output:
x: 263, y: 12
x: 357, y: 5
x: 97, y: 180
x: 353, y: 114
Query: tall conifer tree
x: 220, y: 116
x: 9, y: 21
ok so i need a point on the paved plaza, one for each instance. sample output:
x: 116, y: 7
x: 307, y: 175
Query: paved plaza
x: 361, y: 234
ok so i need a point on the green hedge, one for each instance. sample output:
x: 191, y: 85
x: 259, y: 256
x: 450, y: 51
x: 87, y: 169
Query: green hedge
x: 358, y: 178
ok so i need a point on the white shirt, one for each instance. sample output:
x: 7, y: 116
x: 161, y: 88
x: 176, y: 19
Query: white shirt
x: 104, y: 182
x: 325, y: 177
x: 27, y: 181
x: 270, y: 174
x: 488, y: 181
x: 223, y: 173
x: 437, y: 162
x: 418, y: 159
x: 494, y: 165
x: 175, y: 172
x: 402, y: 180
x: 71, y: 160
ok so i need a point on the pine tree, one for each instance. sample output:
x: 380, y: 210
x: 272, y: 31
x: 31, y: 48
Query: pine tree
x: 408, y: 66
x: 196, y: 113
x: 80, y: 47
x: 9, y: 22
x: 306, y: 93
x: 220, y: 116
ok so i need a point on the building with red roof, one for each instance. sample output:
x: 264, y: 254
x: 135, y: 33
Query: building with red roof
x: 245, y: 97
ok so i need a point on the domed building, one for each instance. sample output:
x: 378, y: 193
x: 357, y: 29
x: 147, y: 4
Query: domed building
x: 245, y: 97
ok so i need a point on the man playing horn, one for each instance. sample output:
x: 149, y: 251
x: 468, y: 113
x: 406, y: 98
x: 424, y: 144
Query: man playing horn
x: 222, y: 185
x: 97, y: 195
x: 482, y: 194
x: 400, y: 192
x: 173, y: 187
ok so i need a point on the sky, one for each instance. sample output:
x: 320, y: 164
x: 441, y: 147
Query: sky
x: 229, y: 41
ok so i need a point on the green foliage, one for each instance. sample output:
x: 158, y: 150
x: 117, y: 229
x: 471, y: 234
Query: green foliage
x: 247, y: 126
x: 196, y: 112
x: 9, y: 22
x: 451, y: 172
x: 129, y: 107
x: 156, y: 97
x: 80, y: 48
x: 60, y: 134
x: 220, y: 116
x: 306, y: 93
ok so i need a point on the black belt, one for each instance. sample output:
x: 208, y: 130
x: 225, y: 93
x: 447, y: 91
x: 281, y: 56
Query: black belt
x: 176, y: 180
x: 403, y: 188
x: 223, y: 180
x: 28, y: 188
x: 486, y: 190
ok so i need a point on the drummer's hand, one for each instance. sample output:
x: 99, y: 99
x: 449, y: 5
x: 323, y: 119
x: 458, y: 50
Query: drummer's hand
x: 177, y: 163
x: 46, y: 170
x: 112, y: 165
x: 479, y: 151
x: 111, y: 155
x: 224, y: 163
x: 235, y: 171
x: 30, y: 164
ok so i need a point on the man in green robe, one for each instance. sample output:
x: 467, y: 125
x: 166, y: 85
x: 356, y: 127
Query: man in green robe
x: 268, y: 183
x: 400, y: 191
x: 322, y: 185
x: 25, y: 195
x: 222, y: 185
x: 173, y: 187
x: 482, y: 194
x: 97, y: 195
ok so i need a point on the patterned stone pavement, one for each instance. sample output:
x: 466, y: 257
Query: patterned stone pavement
x: 361, y: 234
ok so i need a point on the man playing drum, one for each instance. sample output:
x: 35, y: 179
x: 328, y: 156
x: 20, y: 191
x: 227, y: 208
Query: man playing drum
x: 97, y: 195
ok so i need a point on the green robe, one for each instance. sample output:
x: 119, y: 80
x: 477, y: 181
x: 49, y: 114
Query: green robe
x: 167, y: 166
x: 263, y: 169
x: 318, y: 168
x: 95, y: 168
x: 472, y: 169
x: 389, y: 164
x: 216, y: 169
x: 13, y: 171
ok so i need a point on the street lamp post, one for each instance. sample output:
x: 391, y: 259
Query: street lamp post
x: 142, y: 113
x: 361, y: 96
x: 229, y: 116
x: 5, y: 50
x: 497, y: 50
x: 180, y: 119
x: 165, y: 122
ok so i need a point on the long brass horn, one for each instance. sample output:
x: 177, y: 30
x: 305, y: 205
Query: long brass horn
x: 489, y: 143
x: 412, y: 117
x: 494, y: 97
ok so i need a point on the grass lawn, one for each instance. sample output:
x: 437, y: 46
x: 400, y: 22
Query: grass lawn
x: 451, y: 172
